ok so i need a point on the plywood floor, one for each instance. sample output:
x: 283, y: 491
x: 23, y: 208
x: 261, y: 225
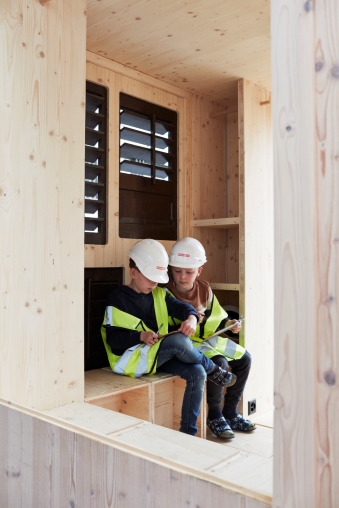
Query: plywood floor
x: 255, y: 445
x: 245, y: 465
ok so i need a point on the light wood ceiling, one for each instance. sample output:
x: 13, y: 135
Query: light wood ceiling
x: 203, y: 46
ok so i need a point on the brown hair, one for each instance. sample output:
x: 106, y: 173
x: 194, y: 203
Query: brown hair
x: 132, y: 264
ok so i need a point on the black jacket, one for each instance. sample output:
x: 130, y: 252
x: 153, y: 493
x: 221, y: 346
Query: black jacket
x: 141, y: 306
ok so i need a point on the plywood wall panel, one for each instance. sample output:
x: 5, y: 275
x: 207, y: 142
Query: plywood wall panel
x: 256, y: 240
x: 209, y: 184
x: 41, y: 201
x: 114, y: 253
x: 305, y: 95
x: 44, y: 463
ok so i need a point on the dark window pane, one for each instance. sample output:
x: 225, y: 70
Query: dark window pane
x: 135, y: 169
x: 135, y: 153
x: 163, y: 129
x: 148, y: 149
x: 136, y: 121
x: 135, y: 137
x: 163, y: 144
x: 160, y: 174
x: 162, y: 160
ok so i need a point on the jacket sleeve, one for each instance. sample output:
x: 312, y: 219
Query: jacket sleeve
x: 178, y: 309
x: 121, y: 339
x: 118, y: 338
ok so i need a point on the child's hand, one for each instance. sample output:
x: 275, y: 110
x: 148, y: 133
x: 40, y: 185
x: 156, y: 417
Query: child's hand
x: 236, y: 328
x: 149, y: 338
x: 201, y: 317
x: 189, y: 326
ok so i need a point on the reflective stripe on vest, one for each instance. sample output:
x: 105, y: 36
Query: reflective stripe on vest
x: 139, y: 359
x: 218, y: 345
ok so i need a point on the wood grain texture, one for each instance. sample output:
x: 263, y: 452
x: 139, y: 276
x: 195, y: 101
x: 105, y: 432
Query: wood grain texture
x: 42, y: 64
x: 305, y: 111
x: 209, y: 184
x: 156, y: 399
x: 203, y: 48
x: 256, y: 241
x: 81, y: 468
x: 114, y: 252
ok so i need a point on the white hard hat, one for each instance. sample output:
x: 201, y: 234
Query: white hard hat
x: 151, y: 259
x: 187, y: 253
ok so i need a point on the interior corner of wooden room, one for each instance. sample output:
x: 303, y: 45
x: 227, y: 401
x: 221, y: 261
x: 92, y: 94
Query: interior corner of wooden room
x: 257, y: 186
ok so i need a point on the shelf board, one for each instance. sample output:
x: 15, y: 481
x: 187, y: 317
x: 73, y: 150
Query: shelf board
x: 229, y: 223
x: 224, y: 286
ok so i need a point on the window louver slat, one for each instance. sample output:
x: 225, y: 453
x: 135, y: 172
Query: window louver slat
x: 148, y: 170
x: 95, y: 164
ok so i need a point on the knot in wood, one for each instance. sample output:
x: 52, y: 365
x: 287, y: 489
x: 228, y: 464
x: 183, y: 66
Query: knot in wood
x: 309, y: 5
x: 318, y: 66
x: 335, y: 71
x: 330, y: 378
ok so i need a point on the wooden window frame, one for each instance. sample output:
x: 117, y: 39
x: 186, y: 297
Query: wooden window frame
x: 96, y: 93
x: 160, y: 219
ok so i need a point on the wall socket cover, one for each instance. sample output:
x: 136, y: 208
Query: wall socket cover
x: 252, y: 406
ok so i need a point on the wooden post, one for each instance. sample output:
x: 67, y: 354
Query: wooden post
x: 256, y: 241
x: 305, y: 60
x: 42, y: 101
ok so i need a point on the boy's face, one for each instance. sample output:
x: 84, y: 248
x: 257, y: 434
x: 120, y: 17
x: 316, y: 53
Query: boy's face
x: 184, y: 277
x: 140, y: 283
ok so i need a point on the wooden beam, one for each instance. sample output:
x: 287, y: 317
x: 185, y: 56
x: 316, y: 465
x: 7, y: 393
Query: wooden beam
x: 124, y: 70
x: 43, y: 65
x: 233, y: 109
x: 306, y: 196
x: 83, y: 460
x: 256, y: 241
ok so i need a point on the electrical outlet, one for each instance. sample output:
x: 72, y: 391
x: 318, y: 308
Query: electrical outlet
x: 252, y: 406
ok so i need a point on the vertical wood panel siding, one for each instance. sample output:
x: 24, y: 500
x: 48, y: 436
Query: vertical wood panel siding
x: 305, y: 56
x: 43, y: 464
x: 256, y: 240
x: 41, y: 201
x: 201, y: 176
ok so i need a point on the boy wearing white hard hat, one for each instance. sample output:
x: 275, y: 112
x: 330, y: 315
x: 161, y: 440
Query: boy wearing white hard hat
x: 186, y: 260
x: 134, y: 316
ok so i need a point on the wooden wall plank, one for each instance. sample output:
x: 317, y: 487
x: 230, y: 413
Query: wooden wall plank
x: 256, y: 241
x: 306, y: 127
x: 42, y: 59
x: 184, y: 43
x: 209, y: 184
x: 114, y: 253
x: 45, y: 463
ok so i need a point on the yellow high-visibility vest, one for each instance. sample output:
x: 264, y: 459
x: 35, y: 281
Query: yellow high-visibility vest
x: 218, y: 345
x: 139, y: 359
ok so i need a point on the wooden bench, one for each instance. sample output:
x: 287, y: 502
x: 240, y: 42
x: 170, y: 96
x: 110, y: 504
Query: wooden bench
x: 156, y: 399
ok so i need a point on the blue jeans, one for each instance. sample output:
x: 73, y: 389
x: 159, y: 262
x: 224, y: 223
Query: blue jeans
x: 179, y: 357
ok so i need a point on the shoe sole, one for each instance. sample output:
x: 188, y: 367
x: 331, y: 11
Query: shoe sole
x: 232, y: 382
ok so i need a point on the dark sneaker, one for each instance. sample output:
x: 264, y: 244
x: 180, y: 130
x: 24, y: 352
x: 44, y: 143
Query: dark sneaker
x: 241, y: 424
x: 220, y: 428
x: 222, y: 378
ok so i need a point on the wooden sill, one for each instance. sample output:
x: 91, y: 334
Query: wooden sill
x: 224, y: 223
x: 224, y: 286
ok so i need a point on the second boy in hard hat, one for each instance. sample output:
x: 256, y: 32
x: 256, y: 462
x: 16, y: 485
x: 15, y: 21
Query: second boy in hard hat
x: 186, y: 260
x: 133, y: 318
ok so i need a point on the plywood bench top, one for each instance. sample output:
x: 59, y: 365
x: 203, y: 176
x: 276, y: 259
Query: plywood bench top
x: 104, y: 382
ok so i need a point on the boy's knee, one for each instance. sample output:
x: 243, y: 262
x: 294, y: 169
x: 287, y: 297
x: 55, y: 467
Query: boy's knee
x: 195, y: 372
x: 179, y: 339
x: 220, y: 361
x: 247, y: 358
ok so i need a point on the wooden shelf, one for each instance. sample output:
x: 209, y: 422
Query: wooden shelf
x: 225, y: 223
x: 224, y: 286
